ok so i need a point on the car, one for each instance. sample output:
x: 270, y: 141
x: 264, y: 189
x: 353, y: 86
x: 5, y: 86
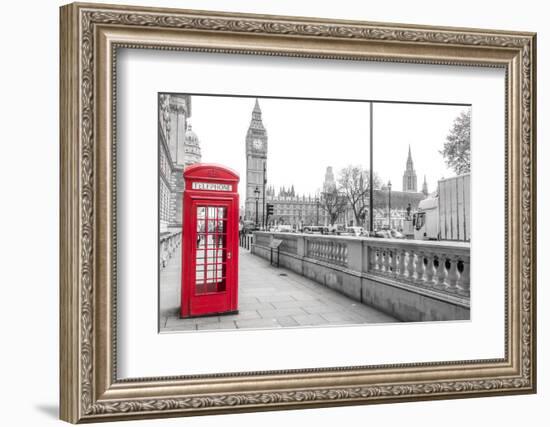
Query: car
x: 353, y: 231
x: 335, y: 228
x: 396, y: 234
x: 284, y: 228
x: 388, y: 234
x: 382, y: 234
x: 315, y: 229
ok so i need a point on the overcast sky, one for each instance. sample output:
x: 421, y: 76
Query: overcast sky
x: 306, y: 136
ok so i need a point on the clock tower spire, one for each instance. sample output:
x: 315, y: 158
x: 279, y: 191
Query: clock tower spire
x: 256, y: 166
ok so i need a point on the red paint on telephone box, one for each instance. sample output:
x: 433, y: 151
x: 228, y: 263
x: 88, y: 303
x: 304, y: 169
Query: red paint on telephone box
x: 210, y: 257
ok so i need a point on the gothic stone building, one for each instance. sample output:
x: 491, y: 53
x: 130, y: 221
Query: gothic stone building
x: 400, y: 200
x: 179, y: 146
x: 294, y: 209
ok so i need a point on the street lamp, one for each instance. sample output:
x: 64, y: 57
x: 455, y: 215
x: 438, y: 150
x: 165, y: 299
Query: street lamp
x: 257, y: 194
x: 389, y: 205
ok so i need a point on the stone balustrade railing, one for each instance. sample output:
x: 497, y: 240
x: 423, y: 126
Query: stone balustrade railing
x: 440, y: 267
x: 327, y: 250
x: 246, y: 240
x: 443, y: 266
x: 169, y: 242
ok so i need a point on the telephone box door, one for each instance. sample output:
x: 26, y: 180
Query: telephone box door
x: 214, y: 261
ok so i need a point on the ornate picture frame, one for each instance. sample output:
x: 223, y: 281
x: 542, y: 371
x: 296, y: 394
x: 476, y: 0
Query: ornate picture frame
x: 90, y: 37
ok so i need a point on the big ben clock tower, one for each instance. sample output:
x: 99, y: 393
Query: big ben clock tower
x: 256, y: 166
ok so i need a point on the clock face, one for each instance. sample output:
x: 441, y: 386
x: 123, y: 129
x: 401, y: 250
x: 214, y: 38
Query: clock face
x: 258, y: 144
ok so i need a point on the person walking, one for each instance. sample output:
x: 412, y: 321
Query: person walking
x: 241, y: 230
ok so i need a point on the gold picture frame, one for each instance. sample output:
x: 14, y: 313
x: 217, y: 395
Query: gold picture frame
x: 90, y: 36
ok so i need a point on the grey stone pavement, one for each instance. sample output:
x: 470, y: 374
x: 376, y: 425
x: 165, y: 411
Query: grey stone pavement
x: 269, y: 298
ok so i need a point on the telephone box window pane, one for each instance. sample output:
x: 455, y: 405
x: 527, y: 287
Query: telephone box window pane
x: 210, y: 271
x: 212, y: 243
x: 201, y: 211
x: 210, y: 255
x: 221, y: 226
x: 201, y: 239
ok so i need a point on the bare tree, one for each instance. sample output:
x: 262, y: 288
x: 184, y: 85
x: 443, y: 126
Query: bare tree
x: 333, y: 203
x: 354, y: 184
x: 456, y: 150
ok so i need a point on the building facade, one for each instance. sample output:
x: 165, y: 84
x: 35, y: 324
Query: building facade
x: 296, y: 210
x: 179, y: 147
x: 256, y: 167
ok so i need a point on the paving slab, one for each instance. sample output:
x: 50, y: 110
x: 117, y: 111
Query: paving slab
x: 287, y: 321
x: 292, y: 311
x: 243, y: 315
x: 220, y: 325
x: 287, y: 304
x: 309, y: 319
x: 257, y: 324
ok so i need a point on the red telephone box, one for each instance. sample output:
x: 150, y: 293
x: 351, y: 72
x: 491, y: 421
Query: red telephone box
x: 210, y: 257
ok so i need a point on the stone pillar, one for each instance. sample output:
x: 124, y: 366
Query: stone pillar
x: 176, y: 207
x: 355, y: 254
x: 164, y: 116
x: 301, y: 246
x: 368, y: 256
x: 178, y: 125
x: 173, y: 133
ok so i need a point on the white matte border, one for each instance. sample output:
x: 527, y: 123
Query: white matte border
x: 143, y: 352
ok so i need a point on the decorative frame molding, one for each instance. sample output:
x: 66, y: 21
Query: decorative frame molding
x: 90, y: 36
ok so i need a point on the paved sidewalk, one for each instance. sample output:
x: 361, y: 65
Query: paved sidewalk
x: 269, y: 297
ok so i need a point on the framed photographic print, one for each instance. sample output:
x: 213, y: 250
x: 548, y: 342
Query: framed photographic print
x: 266, y: 212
